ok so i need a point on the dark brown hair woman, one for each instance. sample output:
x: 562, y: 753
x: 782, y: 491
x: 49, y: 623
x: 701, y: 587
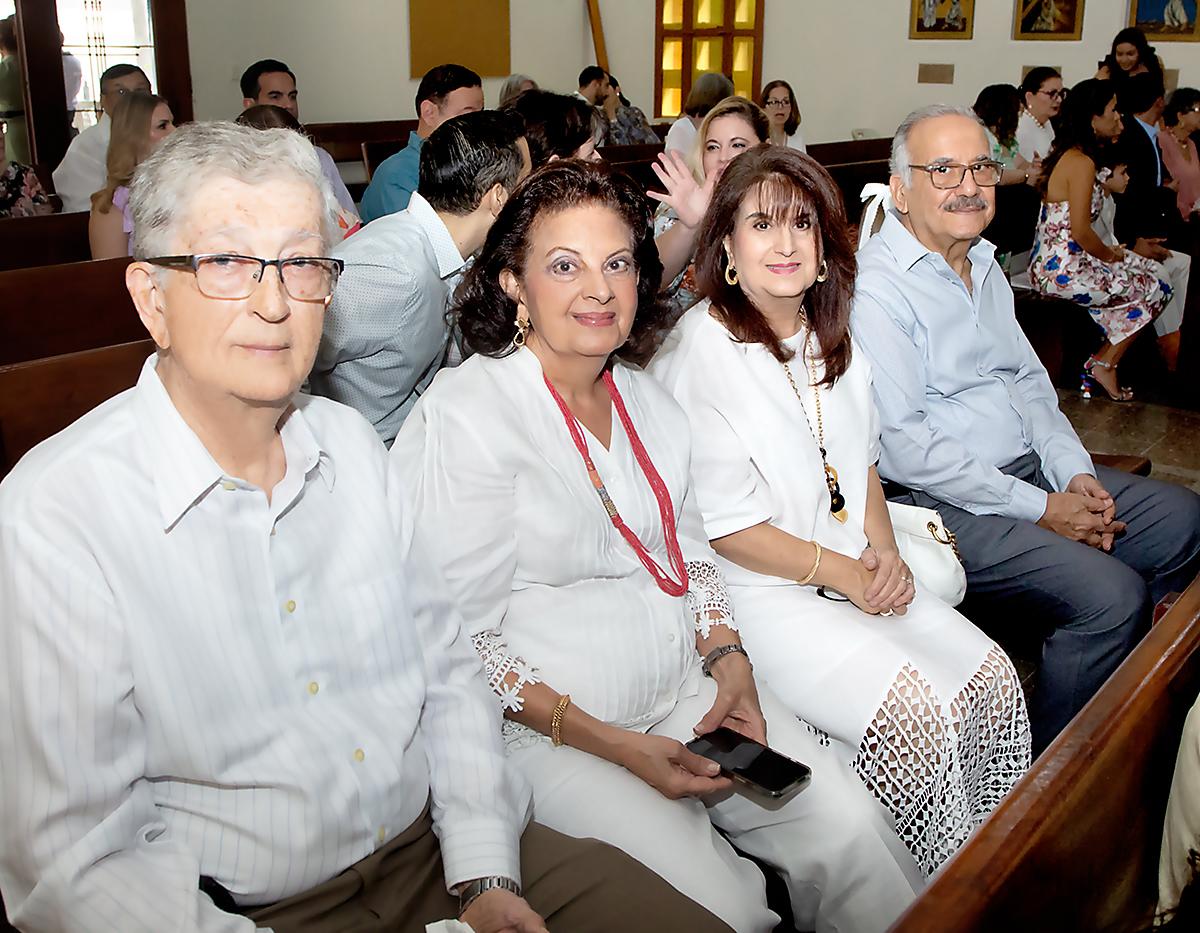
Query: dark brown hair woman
x: 786, y: 189
x: 785, y: 438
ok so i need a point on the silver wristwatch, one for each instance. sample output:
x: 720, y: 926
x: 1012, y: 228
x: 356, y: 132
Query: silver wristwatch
x: 717, y: 653
x: 472, y: 890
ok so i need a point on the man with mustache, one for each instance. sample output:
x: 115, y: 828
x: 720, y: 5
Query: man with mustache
x: 971, y: 427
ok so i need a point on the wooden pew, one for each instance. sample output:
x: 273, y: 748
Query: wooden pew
x: 376, y: 151
x: 636, y: 162
x: 39, y: 398
x: 1074, y: 846
x: 51, y: 310
x: 344, y: 141
x: 47, y: 240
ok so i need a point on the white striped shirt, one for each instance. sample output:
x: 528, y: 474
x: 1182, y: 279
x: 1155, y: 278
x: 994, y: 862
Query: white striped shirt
x: 197, y: 681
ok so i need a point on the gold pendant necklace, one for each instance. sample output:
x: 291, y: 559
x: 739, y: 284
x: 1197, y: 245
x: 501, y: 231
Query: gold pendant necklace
x: 837, y: 502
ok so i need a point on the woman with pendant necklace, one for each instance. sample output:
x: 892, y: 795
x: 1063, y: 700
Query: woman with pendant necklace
x: 925, y: 707
x: 549, y: 480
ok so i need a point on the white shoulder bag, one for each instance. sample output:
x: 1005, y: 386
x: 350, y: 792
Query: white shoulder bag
x: 930, y: 551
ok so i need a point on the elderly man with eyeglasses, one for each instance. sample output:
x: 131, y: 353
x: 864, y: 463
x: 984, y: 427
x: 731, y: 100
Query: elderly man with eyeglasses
x: 971, y: 427
x: 234, y: 695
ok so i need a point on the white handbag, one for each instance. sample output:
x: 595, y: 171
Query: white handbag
x: 930, y: 551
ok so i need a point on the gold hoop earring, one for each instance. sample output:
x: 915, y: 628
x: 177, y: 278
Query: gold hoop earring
x: 522, y: 329
x: 731, y: 275
x: 823, y: 273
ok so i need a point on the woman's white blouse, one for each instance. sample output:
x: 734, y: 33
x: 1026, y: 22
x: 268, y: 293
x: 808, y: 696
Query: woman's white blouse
x: 754, y: 457
x: 546, y: 585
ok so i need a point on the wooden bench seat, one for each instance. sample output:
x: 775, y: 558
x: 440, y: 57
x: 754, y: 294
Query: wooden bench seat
x: 39, y: 398
x: 1074, y: 846
x: 52, y: 310
x: 48, y: 240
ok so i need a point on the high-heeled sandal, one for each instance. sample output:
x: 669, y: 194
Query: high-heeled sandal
x: 1088, y: 382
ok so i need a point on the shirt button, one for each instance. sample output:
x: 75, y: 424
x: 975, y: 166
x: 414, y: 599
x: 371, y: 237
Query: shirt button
x: 671, y: 637
x: 290, y: 605
x: 382, y: 834
x: 313, y: 687
x: 359, y: 754
x: 228, y: 485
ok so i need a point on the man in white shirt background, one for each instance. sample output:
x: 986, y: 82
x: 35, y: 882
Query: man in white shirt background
x: 83, y: 170
x: 235, y: 696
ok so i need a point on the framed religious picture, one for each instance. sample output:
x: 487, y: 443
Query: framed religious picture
x: 942, y: 19
x: 1165, y: 20
x: 1048, y: 19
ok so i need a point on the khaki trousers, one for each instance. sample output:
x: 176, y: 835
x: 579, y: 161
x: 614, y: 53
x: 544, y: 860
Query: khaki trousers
x: 577, y: 885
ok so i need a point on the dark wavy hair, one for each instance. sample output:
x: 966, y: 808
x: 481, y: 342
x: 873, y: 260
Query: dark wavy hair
x: 789, y: 184
x: 1073, y: 129
x: 1146, y: 54
x: 555, y: 124
x: 487, y: 316
x: 793, y: 120
x: 999, y: 107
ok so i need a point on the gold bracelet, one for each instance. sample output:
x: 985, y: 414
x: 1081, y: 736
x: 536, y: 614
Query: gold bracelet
x: 556, y: 721
x: 808, y: 578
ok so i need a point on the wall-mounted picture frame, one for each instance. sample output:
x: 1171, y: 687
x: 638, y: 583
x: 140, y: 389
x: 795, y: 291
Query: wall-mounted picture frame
x: 942, y: 19
x: 1060, y: 20
x: 1166, y: 20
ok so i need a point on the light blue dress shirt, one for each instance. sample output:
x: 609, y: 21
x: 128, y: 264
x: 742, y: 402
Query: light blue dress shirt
x: 1152, y: 132
x: 385, y: 332
x: 960, y: 391
x: 394, y: 181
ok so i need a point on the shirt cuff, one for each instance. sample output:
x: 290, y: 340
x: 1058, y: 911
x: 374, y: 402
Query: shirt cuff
x: 1067, y: 468
x: 480, y: 848
x: 1028, y: 502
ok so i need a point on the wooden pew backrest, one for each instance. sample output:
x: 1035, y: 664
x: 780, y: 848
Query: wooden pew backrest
x: 1074, y: 846
x: 51, y: 310
x: 41, y: 397
x: 375, y: 152
x: 48, y: 240
x: 344, y: 141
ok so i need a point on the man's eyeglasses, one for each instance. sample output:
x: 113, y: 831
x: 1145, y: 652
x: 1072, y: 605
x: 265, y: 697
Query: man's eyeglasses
x: 232, y: 277
x: 951, y: 174
x: 1060, y: 94
x: 779, y: 102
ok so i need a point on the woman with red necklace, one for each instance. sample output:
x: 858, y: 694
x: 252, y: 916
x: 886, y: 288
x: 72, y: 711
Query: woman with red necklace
x: 550, y: 481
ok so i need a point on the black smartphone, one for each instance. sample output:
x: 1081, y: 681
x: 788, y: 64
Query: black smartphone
x: 752, y: 763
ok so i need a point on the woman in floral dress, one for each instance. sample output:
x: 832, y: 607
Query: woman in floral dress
x: 1120, y: 289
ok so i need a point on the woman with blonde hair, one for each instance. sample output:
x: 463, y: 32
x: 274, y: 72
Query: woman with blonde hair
x: 140, y: 122
x: 734, y: 125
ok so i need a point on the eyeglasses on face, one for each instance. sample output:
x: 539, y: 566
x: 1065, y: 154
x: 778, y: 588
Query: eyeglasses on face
x: 779, y: 102
x: 943, y: 175
x: 1060, y: 94
x: 232, y: 277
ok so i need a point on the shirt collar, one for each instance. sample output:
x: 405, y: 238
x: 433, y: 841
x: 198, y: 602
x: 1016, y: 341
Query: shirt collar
x: 908, y: 250
x: 449, y: 259
x: 415, y: 140
x: 182, y: 469
x: 1151, y: 130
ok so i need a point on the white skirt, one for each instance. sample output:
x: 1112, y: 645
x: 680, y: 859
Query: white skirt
x: 928, y: 710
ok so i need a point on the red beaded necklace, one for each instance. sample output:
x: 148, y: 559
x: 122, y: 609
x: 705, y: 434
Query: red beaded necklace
x: 665, y: 508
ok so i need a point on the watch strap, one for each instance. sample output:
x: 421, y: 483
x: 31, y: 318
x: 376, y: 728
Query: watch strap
x: 717, y: 653
x: 473, y: 889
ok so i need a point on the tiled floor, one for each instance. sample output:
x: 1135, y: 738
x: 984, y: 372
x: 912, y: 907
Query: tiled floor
x: 1170, y: 437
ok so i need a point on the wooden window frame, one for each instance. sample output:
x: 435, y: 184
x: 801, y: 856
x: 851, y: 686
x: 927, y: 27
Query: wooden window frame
x: 688, y: 33
x: 45, y: 93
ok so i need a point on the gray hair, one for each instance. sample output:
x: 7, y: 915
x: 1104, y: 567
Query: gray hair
x: 164, y: 184
x: 511, y: 88
x: 901, y: 164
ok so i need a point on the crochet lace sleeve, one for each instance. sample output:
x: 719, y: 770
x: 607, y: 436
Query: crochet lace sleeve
x: 506, y: 674
x: 707, y: 597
